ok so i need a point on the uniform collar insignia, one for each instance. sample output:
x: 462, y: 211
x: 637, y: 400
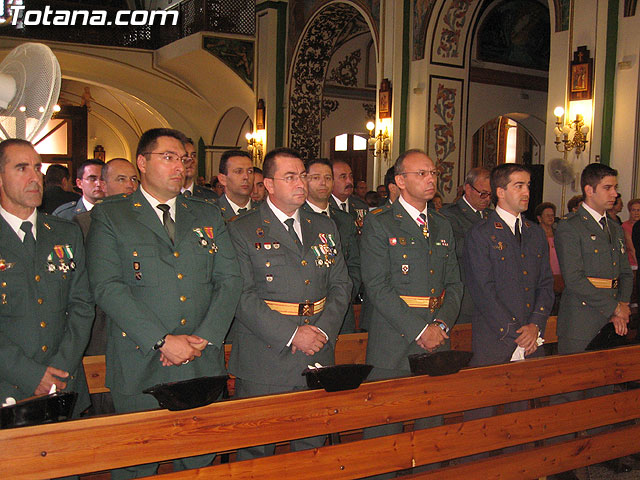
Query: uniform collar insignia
x: 498, y: 226
x: 47, y: 226
x: 184, y: 205
x: 308, y: 220
x: 398, y: 215
x: 137, y: 205
x: 267, y: 221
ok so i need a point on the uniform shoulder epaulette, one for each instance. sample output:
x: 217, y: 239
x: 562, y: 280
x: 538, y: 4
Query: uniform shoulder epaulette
x: 380, y: 210
x: 113, y: 198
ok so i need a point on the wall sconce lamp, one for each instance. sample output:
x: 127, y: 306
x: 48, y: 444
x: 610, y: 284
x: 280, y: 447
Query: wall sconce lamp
x: 379, y: 144
x: 256, y: 147
x: 571, y: 136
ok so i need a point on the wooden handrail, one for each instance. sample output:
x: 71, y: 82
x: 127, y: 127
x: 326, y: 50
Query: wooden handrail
x: 103, y: 443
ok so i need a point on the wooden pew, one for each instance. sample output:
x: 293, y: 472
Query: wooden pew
x: 104, y: 443
x: 350, y: 348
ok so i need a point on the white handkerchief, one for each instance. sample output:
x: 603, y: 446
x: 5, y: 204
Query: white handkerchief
x: 518, y: 353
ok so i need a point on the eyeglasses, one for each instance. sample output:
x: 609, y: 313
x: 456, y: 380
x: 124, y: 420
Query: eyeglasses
x: 292, y: 177
x: 170, y: 157
x: 316, y: 177
x: 482, y: 194
x: 423, y: 173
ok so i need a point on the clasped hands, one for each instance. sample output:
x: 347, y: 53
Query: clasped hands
x: 620, y: 318
x: 431, y: 338
x: 528, y: 338
x: 181, y: 349
x: 309, y: 339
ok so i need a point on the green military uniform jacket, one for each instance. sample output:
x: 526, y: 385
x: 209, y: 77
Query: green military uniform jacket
x: 462, y: 218
x: 274, y: 268
x: 46, y: 309
x: 227, y: 210
x: 149, y: 287
x: 348, y: 239
x: 398, y: 260
x: 584, y: 251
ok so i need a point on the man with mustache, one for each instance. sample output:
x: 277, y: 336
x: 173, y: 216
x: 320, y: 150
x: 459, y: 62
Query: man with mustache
x: 342, y: 196
x: 45, y: 304
x: 236, y: 174
x: 163, y: 269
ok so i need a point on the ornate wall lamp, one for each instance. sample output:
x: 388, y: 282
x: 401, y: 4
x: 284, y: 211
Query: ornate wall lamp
x: 379, y: 144
x: 572, y: 135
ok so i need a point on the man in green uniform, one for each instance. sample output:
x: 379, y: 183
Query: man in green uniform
x: 45, y: 305
x: 163, y: 269
x: 191, y: 172
x: 236, y: 174
x: 296, y: 289
x: 596, y: 272
x: 468, y: 210
x: 411, y: 277
x: 320, y: 184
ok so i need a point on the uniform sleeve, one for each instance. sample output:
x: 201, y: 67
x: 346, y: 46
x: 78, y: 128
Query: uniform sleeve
x: 544, y: 288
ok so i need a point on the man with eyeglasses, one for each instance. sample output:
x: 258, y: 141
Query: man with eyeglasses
x: 411, y: 277
x: 468, y: 210
x: 89, y: 180
x: 190, y: 174
x: 236, y: 175
x: 163, y: 269
x: 320, y: 184
x: 296, y: 290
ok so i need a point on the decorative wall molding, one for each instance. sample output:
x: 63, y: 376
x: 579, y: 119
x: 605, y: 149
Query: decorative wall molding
x: 449, y: 36
x: 237, y: 54
x: 346, y: 73
x: 370, y: 110
x: 328, y: 107
x: 422, y: 10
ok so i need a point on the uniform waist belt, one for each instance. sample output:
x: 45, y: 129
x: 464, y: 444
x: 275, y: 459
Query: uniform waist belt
x: 432, y: 303
x: 603, y: 282
x: 306, y: 309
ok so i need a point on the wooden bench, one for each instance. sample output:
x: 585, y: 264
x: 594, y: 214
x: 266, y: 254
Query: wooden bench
x: 103, y: 443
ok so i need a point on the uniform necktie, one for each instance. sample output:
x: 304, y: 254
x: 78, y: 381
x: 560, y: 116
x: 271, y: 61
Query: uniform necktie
x: 343, y: 206
x: 289, y: 222
x: 167, y: 221
x: 324, y: 212
x: 242, y: 210
x: 479, y: 212
x: 422, y: 221
x: 187, y: 193
x: 28, y: 241
x: 605, y: 227
x: 516, y: 231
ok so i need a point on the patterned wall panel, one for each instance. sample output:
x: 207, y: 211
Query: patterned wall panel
x: 444, y: 131
x: 449, y: 36
x: 236, y: 54
x: 422, y: 10
x: 308, y: 73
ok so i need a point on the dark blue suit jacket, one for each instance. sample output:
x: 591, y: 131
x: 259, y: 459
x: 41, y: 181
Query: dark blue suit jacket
x: 511, y: 286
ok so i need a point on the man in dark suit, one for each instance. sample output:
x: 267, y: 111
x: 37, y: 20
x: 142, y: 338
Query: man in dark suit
x: 90, y: 182
x: 46, y: 309
x: 320, y: 184
x: 236, y: 174
x: 163, y: 269
x: 191, y: 172
x: 296, y: 289
x: 595, y: 267
x: 468, y: 210
x: 57, y: 188
x: 506, y: 261
x: 411, y: 277
x: 342, y: 196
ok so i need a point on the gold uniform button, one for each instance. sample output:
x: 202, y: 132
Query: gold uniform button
x: 524, y: 272
x: 614, y: 263
x: 526, y: 289
x: 135, y: 254
x: 44, y: 348
x: 542, y: 309
x: 404, y: 255
x: 502, y: 329
x: 431, y: 271
x: 43, y: 324
x: 180, y: 276
x: 64, y: 276
x: 37, y: 278
x: 433, y: 290
x: 502, y: 258
x: 429, y: 252
x: 183, y: 321
x: 183, y: 298
x: 522, y: 255
x: 176, y: 254
x: 124, y: 334
x: 528, y: 305
x: 137, y: 347
x: 40, y: 301
x: 267, y: 264
x: 4, y: 284
x: 307, y: 282
x: 306, y: 320
x: 212, y: 251
x: 584, y: 304
x: 303, y: 263
x: 595, y: 251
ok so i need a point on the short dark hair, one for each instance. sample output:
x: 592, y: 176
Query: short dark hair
x: 189, y: 140
x: 593, y: 174
x: 543, y: 206
x: 632, y: 202
x: 321, y: 161
x: 269, y: 163
x: 476, y: 173
x: 107, y: 166
x: 398, y: 167
x: 149, y: 139
x: 55, y: 174
x: 500, y: 176
x: 389, y: 178
x: 83, y: 165
x: 224, y: 159
x: 258, y: 170
x: 10, y: 142
x: 574, y: 202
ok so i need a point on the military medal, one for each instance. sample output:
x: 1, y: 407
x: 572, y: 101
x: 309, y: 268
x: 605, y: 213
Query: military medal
x: 138, y: 275
x: 4, y: 299
x: 402, y: 241
x: 393, y: 241
x: 267, y: 245
x: 136, y: 265
x: 269, y: 277
x: 201, y: 240
x: 444, y: 243
x: 593, y: 237
x: 4, y: 265
x: 500, y: 246
x: 405, y: 269
x: 259, y: 232
x: 412, y: 241
x: 498, y: 226
x: 276, y: 245
x: 258, y: 246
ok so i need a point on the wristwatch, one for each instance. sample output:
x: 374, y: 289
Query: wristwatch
x: 441, y: 324
x: 160, y: 343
